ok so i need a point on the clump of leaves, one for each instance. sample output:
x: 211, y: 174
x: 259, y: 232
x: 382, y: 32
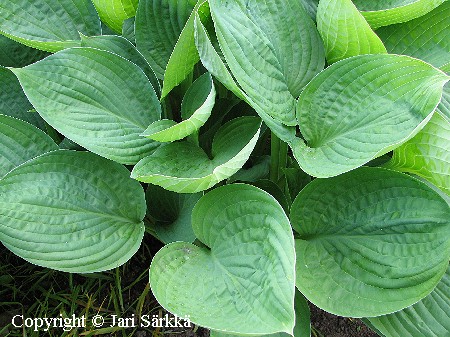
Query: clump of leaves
x: 348, y: 202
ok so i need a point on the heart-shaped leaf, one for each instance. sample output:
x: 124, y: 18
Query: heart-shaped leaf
x: 158, y: 26
x: 185, y: 168
x: 387, y: 12
x: 19, y: 142
x: 115, y: 12
x: 196, y: 108
x: 248, y: 265
x: 371, y: 241
x: 98, y: 99
x: 426, y: 318
x: 427, y: 154
x: 361, y: 108
x: 425, y: 38
x: 271, y: 57
x: 48, y: 25
x: 71, y: 211
x: 345, y: 32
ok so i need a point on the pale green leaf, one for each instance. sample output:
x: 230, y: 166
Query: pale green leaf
x: 371, y: 241
x: 95, y: 98
x: 345, y: 32
x: 19, y: 142
x: 185, y: 168
x: 195, y: 109
x: 48, y: 25
x: 361, y: 108
x: 248, y: 265
x: 427, y: 154
x: 271, y: 56
x: 427, y: 318
x: 425, y: 38
x: 158, y: 26
x: 115, y: 12
x: 71, y: 211
x: 172, y: 214
x: 387, y: 12
x: 444, y: 106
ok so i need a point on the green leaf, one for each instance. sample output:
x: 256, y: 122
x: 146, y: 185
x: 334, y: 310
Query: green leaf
x: 185, y: 168
x: 158, y: 26
x: 48, y: 25
x: 95, y: 98
x: 258, y: 170
x: 128, y: 30
x: 361, y: 108
x: 345, y: 32
x: 214, y: 64
x: 19, y: 142
x: 184, y: 55
x: 71, y: 211
x: 444, y: 106
x: 371, y: 241
x: 427, y: 154
x: 427, y: 318
x: 115, y: 12
x: 311, y: 7
x: 387, y: 12
x: 15, y: 54
x: 271, y: 57
x: 248, y: 265
x: 425, y: 38
x: 122, y: 47
x: 172, y: 213
x: 13, y: 101
x: 195, y: 110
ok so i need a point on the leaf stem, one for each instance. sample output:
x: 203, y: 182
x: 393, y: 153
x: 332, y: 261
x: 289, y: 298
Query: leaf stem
x: 278, y: 158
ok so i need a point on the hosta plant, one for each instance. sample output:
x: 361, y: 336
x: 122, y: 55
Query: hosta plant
x: 282, y: 150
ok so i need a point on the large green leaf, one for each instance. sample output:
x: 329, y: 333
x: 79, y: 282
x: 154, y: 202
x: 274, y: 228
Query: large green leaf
x: 19, y: 142
x: 71, y: 211
x: 387, y: 12
x: 371, y: 241
x: 13, y: 101
x: 345, y: 32
x: 195, y: 110
x: 15, y: 54
x: 115, y: 12
x: 185, y: 168
x: 272, y: 56
x: 172, y: 213
x: 48, y: 25
x: 444, y: 106
x: 158, y: 26
x: 95, y: 98
x: 427, y: 154
x: 122, y: 47
x: 243, y: 280
x: 425, y: 38
x: 427, y: 318
x: 361, y: 108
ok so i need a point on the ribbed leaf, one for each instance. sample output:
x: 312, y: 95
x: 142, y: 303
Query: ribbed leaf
x: 48, y: 25
x: 158, y: 26
x: 427, y: 318
x: 427, y: 154
x: 128, y: 30
x: 19, y: 142
x: 311, y: 7
x: 15, y: 54
x: 425, y: 38
x: 387, y: 12
x: 371, y: 241
x: 196, y: 109
x: 248, y: 265
x: 185, y: 168
x: 71, y: 211
x: 444, y: 106
x: 95, y: 98
x: 13, y: 101
x: 361, y: 108
x: 172, y: 214
x: 122, y: 47
x: 345, y: 32
x: 115, y: 12
x: 272, y: 48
